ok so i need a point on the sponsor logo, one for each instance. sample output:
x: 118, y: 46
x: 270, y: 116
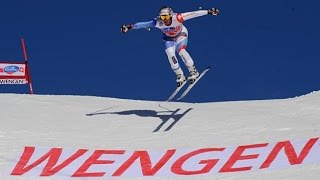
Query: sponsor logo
x: 11, y: 69
x: 172, y: 31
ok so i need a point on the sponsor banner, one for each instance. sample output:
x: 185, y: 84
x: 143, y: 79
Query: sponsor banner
x: 63, y: 163
x: 13, y: 81
x: 12, y: 69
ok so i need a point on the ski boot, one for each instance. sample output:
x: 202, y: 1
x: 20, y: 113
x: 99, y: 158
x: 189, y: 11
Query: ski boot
x: 180, y: 79
x: 194, y: 74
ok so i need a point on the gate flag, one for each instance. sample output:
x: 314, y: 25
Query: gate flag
x: 16, y: 72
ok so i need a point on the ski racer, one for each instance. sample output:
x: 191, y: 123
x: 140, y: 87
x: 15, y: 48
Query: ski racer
x: 175, y: 38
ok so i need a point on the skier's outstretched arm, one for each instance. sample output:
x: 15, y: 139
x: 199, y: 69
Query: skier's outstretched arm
x: 138, y: 25
x: 190, y: 15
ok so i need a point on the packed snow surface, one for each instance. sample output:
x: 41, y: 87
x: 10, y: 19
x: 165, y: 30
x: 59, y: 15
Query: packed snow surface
x: 75, y: 122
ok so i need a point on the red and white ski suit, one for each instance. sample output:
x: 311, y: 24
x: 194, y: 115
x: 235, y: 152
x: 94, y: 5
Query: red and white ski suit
x: 175, y: 37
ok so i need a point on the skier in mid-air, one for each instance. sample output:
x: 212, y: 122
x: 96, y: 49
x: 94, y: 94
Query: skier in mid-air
x: 175, y: 38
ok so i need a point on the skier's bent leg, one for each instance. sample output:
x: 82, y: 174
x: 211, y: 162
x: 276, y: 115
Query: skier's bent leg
x: 188, y: 61
x: 175, y: 65
x: 182, y: 42
x: 173, y: 60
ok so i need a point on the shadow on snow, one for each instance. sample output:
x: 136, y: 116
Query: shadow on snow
x: 165, y: 116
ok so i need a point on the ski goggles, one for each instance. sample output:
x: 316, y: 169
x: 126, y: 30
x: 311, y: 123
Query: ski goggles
x: 165, y: 17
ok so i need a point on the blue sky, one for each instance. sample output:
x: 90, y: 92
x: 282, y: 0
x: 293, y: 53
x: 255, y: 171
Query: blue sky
x: 258, y: 49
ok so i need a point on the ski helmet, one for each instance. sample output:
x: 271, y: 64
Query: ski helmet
x: 165, y: 10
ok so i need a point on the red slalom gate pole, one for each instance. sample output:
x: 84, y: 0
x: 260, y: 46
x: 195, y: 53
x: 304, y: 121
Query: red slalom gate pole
x: 27, y: 66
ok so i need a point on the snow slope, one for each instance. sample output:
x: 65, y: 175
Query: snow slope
x: 75, y: 122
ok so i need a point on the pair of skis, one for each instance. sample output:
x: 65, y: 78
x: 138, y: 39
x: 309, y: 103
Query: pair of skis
x: 187, y: 90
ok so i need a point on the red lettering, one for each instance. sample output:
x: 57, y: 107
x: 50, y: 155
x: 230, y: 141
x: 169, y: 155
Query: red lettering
x: 237, y: 155
x: 290, y: 152
x: 93, y: 159
x: 209, y: 164
x: 146, y: 166
x: 53, y: 156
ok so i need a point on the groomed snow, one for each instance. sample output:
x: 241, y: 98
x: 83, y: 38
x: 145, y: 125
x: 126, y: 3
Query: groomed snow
x: 75, y: 122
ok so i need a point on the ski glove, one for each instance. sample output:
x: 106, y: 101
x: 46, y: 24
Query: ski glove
x: 126, y: 28
x: 214, y: 11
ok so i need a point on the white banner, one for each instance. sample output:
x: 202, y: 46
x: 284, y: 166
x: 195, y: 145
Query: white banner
x: 84, y: 163
x: 13, y: 81
x: 12, y: 70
